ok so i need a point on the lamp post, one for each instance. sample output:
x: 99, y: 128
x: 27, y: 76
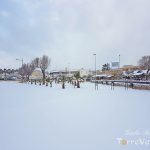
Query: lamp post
x: 20, y: 60
x: 5, y: 74
x: 119, y: 60
x: 95, y: 70
x: 68, y: 69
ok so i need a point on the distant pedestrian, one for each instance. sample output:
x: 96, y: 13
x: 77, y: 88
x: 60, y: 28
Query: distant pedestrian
x: 75, y: 84
x: 126, y: 85
x: 96, y: 85
x: 112, y: 85
x: 131, y: 85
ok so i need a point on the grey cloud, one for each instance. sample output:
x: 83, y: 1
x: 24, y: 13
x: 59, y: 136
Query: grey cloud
x: 71, y: 31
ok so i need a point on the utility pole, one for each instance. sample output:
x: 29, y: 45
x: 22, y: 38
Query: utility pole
x: 68, y: 69
x: 20, y: 60
x: 95, y: 70
x: 119, y: 60
x: 5, y: 78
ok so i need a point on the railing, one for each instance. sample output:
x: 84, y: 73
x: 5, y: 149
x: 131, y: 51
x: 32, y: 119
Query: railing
x: 122, y: 81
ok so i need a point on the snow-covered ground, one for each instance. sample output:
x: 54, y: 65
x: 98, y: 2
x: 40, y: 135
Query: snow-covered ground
x: 34, y: 117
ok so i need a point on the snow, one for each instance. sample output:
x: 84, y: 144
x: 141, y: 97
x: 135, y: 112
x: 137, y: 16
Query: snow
x: 34, y: 117
x: 135, y: 73
x: 38, y: 69
x: 103, y: 76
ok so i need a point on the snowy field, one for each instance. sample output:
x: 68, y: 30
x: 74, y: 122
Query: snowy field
x: 34, y: 117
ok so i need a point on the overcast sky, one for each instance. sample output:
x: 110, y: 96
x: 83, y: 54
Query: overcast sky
x: 70, y: 31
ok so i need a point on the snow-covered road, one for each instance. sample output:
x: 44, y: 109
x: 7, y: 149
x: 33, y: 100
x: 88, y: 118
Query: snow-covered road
x: 34, y: 117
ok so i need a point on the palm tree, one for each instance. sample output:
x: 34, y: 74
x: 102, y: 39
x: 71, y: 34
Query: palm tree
x: 47, y: 81
x: 63, y: 80
x: 50, y: 81
x: 40, y: 82
x: 77, y: 76
x: 70, y: 79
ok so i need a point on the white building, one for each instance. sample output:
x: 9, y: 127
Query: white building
x: 71, y: 73
x: 36, y: 74
x: 84, y: 73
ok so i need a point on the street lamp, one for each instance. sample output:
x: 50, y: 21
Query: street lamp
x: 95, y: 70
x: 5, y: 74
x: 119, y: 60
x: 68, y: 69
x: 20, y: 60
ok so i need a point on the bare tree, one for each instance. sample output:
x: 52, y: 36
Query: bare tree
x: 44, y: 63
x: 36, y: 62
x: 26, y: 70
x: 63, y: 80
x: 22, y: 71
x: 144, y: 62
x: 77, y: 76
x: 29, y: 69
